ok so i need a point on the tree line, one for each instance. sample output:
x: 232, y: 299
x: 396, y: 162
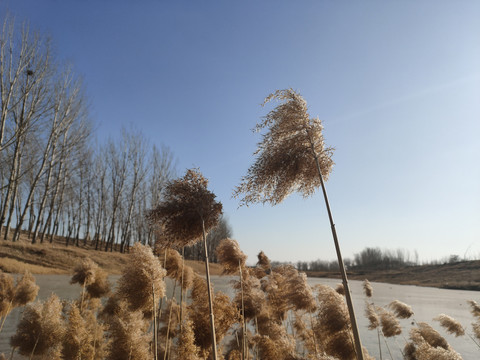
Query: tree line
x: 368, y: 258
x: 54, y: 180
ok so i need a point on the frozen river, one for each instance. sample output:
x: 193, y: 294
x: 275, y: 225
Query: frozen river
x: 427, y: 303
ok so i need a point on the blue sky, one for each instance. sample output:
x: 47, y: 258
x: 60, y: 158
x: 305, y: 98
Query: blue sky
x: 396, y: 83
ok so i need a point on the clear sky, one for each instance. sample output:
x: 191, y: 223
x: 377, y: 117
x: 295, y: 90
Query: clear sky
x: 396, y: 83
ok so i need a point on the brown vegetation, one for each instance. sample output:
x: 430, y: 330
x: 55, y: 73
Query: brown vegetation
x: 286, y: 318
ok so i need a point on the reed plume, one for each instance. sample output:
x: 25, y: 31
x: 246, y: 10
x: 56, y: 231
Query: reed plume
x: 401, y: 310
x: 332, y: 315
x: 426, y: 344
x: 367, y: 288
x: 25, y: 291
x: 186, y: 214
x: 141, y: 274
x: 128, y: 335
x: 230, y: 256
x: 173, y: 263
x: 226, y: 314
x: 292, y: 157
x: 253, y: 297
x: 276, y: 172
x: 425, y: 332
x: 474, y: 308
x: 476, y: 329
x: 7, y: 291
x: 185, y: 349
x: 389, y: 322
x: 100, y: 287
x: 84, y: 273
x: 282, y: 347
x: 372, y: 316
x: 264, y: 262
x: 272, y: 339
x: 305, y: 333
x: 76, y: 344
x: 40, y: 330
x: 299, y: 293
x: 340, y: 289
x: 276, y: 290
x: 450, y: 324
x: 187, y: 207
x: 339, y: 345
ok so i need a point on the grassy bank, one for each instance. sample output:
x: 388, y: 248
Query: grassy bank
x: 461, y: 275
x: 56, y: 258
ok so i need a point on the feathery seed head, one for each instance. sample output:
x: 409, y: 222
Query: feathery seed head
x: 332, y: 312
x: 390, y: 324
x: 84, y: 273
x: 450, y: 324
x: 401, y: 310
x: 425, y: 333
x: 142, y: 276
x: 263, y: 262
x: 230, y: 256
x: 372, y: 316
x: 26, y: 290
x: 474, y: 308
x: 367, y: 288
x: 41, y: 327
x: 286, y: 155
x: 187, y: 208
x: 340, y: 289
x: 7, y: 291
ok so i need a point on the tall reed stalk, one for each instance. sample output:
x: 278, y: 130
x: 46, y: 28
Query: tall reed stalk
x: 291, y: 157
x: 188, y: 211
x: 210, y: 301
x: 348, y: 296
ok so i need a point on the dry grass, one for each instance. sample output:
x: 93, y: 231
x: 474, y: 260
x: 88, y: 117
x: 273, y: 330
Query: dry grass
x: 56, y: 258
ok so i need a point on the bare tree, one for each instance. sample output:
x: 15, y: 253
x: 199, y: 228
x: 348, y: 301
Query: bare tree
x: 117, y: 171
x: 25, y: 70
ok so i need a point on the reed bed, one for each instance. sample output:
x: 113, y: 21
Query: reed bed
x: 273, y: 314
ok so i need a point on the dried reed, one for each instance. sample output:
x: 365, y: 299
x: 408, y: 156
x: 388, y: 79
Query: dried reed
x: 264, y: 262
x: 401, y: 310
x: 292, y: 157
x: 426, y: 343
x: 367, y: 288
x: 188, y: 211
x: 230, y: 256
x: 185, y: 348
x: 389, y: 322
x: 40, y: 330
x: 276, y: 172
x: 25, y: 291
x: 187, y: 207
x: 128, y: 335
x: 141, y: 274
x: 450, y: 324
x: 474, y: 308
x: 332, y: 316
x: 372, y: 316
x: 340, y: 289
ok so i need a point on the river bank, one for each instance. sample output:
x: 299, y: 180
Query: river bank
x: 56, y: 258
